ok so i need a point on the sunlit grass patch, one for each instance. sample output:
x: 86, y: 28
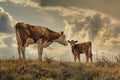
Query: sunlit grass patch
x: 57, y: 70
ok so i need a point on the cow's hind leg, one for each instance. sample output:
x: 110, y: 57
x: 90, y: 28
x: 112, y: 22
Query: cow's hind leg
x: 24, y: 45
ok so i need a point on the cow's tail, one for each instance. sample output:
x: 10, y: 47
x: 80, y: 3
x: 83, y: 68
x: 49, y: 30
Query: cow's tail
x: 17, y: 35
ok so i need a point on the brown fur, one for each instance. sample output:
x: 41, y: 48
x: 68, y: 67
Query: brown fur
x: 25, y: 31
x: 80, y: 48
x: 50, y: 35
x: 28, y: 31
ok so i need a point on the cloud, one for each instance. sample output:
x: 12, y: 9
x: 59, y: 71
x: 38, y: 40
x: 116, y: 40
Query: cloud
x: 111, y: 8
x: 83, y: 21
x: 2, y: 0
x: 6, y: 22
x: 90, y: 26
x: 26, y: 3
x: 8, y: 48
x: 97, y: 28
x: 8, y: 44
x: 2, y: 44
x: 8, y: 41
x: 95, y: 5
x: 85, y: 24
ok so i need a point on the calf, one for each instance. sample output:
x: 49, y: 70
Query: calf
x: 80, y: 48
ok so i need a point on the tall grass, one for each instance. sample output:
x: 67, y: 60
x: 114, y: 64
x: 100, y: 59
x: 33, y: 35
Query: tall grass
x: 49, y: 69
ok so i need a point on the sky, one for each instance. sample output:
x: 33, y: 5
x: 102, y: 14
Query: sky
x: 83, y: 20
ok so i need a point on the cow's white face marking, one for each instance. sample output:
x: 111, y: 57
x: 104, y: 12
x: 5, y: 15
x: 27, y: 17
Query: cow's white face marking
x: 62, y: 40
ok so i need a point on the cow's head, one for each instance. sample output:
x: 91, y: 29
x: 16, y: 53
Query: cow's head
x: 72, y: 43
x: 62, y: 39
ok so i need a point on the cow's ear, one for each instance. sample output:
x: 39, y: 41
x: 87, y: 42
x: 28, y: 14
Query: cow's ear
x: 76, y: 41
x: 61, y: 33
x: 68, y: 41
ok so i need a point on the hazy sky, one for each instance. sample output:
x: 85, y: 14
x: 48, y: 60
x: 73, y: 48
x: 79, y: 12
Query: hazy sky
x: 83, y: 20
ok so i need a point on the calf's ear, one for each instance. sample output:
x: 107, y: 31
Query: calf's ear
x: 76, y: 41
x: 68, y: 41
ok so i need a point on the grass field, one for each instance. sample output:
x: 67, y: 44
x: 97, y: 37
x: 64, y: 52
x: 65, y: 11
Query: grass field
x: 57, y: 70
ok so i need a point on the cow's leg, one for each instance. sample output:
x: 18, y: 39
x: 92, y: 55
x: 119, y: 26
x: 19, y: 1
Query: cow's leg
x: 23, y: 52
x: 40, y: 50
x: 23, y: 49
x: 25, y: 44
x: 19, y: 52
x: 19, y: 48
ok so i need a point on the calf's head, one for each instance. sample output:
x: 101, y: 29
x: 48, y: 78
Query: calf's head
x: 72, y: 43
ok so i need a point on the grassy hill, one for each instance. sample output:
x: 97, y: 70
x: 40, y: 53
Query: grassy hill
x: 54, y: 70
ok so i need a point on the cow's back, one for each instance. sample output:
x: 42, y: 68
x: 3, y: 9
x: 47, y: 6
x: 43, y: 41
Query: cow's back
x: 36, y: 32
x: 28, y: 31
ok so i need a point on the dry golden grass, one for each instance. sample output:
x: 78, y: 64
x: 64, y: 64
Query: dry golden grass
x: 36, y: 70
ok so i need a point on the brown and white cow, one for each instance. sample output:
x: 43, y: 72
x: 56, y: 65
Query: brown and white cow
x: 80, y: 48
x: 30, y: 34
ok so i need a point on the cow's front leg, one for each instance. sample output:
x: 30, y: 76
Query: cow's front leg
x: 23, y: 52
x: 40, y: 50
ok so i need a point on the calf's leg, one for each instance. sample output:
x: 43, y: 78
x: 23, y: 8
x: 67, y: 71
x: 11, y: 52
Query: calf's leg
x: 79, y: 57
x: 87, y: 57
x: 75, y: 58
x: 91, y: 58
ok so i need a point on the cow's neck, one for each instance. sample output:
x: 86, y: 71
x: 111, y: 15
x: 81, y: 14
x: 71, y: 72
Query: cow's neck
x: 51, y: 35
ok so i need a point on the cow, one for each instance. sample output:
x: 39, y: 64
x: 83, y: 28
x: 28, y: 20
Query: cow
x: 79, y: 48
x: 27, y: 34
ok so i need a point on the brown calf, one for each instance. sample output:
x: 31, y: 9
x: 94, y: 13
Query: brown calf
x: 80, y: 48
